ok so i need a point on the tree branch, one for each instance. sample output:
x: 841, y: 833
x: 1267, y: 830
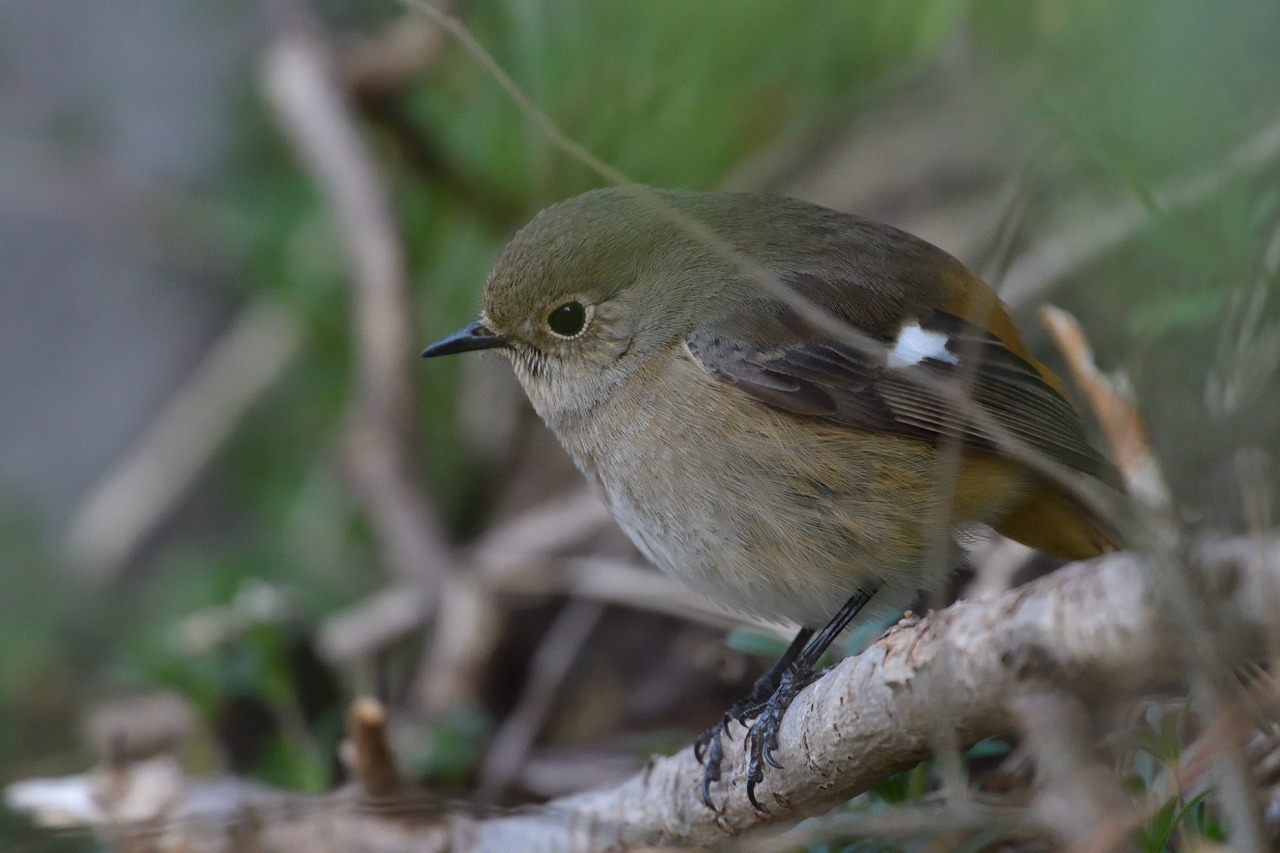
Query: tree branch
x: 1091, y: 630
x: 1094, y: 629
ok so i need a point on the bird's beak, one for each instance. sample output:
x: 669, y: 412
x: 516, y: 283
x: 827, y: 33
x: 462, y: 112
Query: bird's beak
x: 470, y: 337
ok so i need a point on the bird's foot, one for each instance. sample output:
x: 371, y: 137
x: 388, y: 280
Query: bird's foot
x: 707, y: 746
x: 762, y: 739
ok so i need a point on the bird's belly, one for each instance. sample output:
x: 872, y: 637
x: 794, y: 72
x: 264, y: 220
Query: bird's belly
x: 770, y: 553
x: 770, y: 514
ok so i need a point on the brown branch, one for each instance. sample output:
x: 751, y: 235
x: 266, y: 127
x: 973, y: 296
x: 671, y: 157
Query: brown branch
x: 303, y: 86
x: 1093, y: 630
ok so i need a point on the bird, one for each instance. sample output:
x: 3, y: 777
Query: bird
x: 796, y: 411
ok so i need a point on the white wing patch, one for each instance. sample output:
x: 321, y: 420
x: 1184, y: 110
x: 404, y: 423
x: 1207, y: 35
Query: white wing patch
x: 915, y: 344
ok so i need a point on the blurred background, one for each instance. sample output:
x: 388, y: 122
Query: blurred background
x: 230, y: 497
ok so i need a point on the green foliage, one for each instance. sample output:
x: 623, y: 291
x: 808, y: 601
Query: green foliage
x: 245, y: 667
x: 1175, y: 821
x: 451, y: 750
x: 681, y: 98
x: 906, y: 786
x: 753, y: 641
x: 1157, y: 746
x: 48, y: 633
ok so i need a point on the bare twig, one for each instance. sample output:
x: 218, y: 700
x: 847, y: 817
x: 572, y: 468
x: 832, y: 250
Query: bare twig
x: 394, y: 55
x: 546, y: 674
x: 470, y: 618
x: 302, y: 85
x: 467, y: 629
x: 616, y: 582
x: 139, y: 493
x: 1115, y: 409
x: 371, y: 760
x: 515, y: 559
x: 361, y: 631
x: 551, y: 527
x: 1163, y: 543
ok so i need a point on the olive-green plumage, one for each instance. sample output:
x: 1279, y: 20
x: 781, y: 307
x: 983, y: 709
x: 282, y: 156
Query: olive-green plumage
x: 751, y: 449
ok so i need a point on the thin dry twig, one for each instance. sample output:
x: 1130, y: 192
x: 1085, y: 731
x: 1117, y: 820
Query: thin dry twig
x: 1115, y: 409
x: 517, y: 558
x: 394, y: 55
x: 547, y: 671
x: 135, y: 497
x: 302, y: 85
x: 467, y: 629
x: 371, y: 761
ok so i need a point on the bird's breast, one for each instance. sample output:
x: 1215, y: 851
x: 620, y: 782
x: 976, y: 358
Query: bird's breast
x: 769, y: 513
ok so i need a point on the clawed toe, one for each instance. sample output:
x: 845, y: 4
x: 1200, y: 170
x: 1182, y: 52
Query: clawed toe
x: 708, y: 751
x: 769, y: 700
x: 762, y: 737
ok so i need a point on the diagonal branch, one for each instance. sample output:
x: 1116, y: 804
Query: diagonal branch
x: 1093, y: 630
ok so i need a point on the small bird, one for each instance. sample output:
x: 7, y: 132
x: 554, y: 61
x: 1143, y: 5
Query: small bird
x: 793, y: 410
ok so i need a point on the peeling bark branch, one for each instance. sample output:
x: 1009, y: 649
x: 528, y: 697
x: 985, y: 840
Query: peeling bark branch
x: 1092, y: 630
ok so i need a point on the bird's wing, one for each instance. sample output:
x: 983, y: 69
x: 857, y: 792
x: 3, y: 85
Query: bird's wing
x: 926, y: 379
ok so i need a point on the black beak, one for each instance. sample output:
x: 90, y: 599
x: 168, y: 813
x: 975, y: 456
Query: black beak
x: 470, y: 337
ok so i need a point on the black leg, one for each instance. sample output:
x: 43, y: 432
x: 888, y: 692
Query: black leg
x: 762, y: 739
x: 708, y: 743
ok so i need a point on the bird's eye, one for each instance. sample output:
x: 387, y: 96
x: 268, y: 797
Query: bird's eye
x: 568, y: 320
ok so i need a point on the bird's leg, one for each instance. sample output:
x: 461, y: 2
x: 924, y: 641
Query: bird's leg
x: 762, y: 739
x: 707, y: 744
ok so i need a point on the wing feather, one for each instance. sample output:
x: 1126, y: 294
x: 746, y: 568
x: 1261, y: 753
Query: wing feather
x: 822, y: 377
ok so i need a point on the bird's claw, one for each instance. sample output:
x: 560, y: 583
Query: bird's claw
x: 708, y: 749
x: 711, y: 774
x: 766, y: 704
x: 762, y: 739
x: 753, y: 778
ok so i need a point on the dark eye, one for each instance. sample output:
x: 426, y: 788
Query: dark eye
x: 568, y: 319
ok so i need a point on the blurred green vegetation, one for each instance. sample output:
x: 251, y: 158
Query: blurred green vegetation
x: 674, y: 94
